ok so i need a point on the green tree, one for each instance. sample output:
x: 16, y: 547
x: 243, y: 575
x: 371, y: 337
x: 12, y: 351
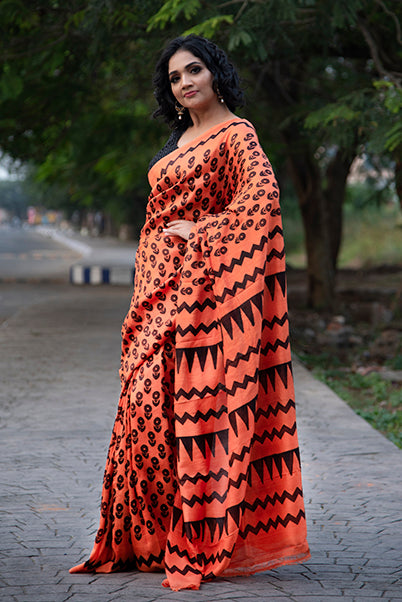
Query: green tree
x: 324, y: 80
x: 76, y: 97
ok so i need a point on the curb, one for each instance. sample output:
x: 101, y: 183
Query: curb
x: 96, y: 275
x: 33, y: 280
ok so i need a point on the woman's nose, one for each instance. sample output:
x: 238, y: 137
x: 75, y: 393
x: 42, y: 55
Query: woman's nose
x: 186, y: 79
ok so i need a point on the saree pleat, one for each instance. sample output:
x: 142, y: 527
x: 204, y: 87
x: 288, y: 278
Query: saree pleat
x: 203, y: 473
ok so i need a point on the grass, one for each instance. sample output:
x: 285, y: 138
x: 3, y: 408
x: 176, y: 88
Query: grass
x: 371, y: 236
x: 377, y: 400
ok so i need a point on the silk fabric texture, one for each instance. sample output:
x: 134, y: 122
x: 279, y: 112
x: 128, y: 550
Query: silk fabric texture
x: 203, y: 471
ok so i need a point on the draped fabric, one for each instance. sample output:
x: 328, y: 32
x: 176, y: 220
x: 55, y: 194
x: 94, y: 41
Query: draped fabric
x: 203, y: 470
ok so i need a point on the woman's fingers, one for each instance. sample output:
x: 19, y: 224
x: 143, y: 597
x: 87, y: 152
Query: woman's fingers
x: 179, y: 227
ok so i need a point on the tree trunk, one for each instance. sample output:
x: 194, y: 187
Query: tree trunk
x: 321, y: 210
x: 337, y: 174
x: 307, y: 181
x: 398, y: 178
x: 320, y: 269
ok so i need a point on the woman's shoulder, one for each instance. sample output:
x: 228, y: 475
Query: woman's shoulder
x: 240, y: 126
x: 240, y: 123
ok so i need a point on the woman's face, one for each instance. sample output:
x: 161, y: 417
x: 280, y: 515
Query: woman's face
x: 191, y: 81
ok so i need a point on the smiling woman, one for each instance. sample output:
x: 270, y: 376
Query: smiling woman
x: 203, y: 474
x: 191, y: 83
x: 193, y: 59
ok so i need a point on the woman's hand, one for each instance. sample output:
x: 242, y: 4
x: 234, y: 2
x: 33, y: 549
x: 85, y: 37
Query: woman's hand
x: 179, y: 227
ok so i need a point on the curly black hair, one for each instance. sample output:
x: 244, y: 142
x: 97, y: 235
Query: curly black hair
x: 225, y: 76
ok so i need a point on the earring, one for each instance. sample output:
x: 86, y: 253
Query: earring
x: 180, y: 110
x: 219, y: 95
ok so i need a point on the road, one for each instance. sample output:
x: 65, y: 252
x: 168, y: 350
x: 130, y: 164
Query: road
x: 26, y: 255
x: 33, y: 267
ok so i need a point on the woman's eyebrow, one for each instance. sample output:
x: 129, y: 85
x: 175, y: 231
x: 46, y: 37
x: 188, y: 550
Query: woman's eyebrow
x: 186, y: 67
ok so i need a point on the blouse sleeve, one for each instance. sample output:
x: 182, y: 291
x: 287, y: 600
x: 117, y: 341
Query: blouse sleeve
x: 170, y: 146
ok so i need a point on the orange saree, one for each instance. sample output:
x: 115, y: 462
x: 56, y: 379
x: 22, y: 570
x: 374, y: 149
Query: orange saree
x: 203, y: 470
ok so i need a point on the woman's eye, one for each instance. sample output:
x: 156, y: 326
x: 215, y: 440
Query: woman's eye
x: 174, y: 80
x: 195, y: 69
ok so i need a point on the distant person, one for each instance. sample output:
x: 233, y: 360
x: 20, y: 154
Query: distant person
x: 203, y: 472
x: 99, y: 220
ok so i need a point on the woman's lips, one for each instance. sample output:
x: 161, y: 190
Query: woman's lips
x: 190, y: 94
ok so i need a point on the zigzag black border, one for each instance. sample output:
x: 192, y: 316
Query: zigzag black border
x: 204, y: 477
x: 242, y: 356
x: 240, y: 285
x: 260, y: 526
x: 205, y: 498
x: 184, y: 306
x: 286, y: 495
x: 202, y: 558
x: 275, y: 320
x: 260, y: 439
x: 278, y: 343
x: 274, y: 409
x: 196, y: 330
x: 200, y: 415
x: 243, y: 255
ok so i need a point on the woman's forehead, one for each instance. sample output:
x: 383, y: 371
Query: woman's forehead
x: 180, y: 59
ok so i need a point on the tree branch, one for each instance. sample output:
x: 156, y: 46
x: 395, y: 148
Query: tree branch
x: 376, y: 57
x: 241, y: 10
x: 395, y: 19
x: 28, y: 52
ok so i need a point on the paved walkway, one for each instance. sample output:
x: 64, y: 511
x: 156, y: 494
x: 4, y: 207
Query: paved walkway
x: 59, y: 393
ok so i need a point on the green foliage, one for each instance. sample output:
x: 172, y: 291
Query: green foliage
x: 364, y: 112
x: 388, y: 422
x: 396, y: 362
x: 315, y: 62
x: 392, y: 97
x: 363, y: 199
x: 363, y: 225
x: 11, y: 85
x: 75, y: 81
x: 378, y: 401
x: 209, y: 27
x: 333, y: 113
x: 364, y: 222
x: 171, y: 10
x: 75, y: 97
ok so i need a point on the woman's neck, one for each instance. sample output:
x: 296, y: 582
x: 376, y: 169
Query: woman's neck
x: 203, y: 121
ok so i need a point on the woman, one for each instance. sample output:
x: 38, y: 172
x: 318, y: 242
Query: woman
x: 203, y: 471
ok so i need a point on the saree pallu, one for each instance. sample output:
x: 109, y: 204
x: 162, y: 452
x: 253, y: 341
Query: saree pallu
x: 203, y: 471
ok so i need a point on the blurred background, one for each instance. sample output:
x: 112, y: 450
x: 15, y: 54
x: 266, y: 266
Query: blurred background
x: 323, y: 83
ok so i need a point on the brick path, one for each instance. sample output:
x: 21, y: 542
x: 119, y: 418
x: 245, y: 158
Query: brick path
x: 59, y: 394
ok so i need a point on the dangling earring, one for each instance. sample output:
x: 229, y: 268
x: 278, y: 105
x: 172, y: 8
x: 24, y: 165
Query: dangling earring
x: 219, y: 95
x: 180, y: 110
